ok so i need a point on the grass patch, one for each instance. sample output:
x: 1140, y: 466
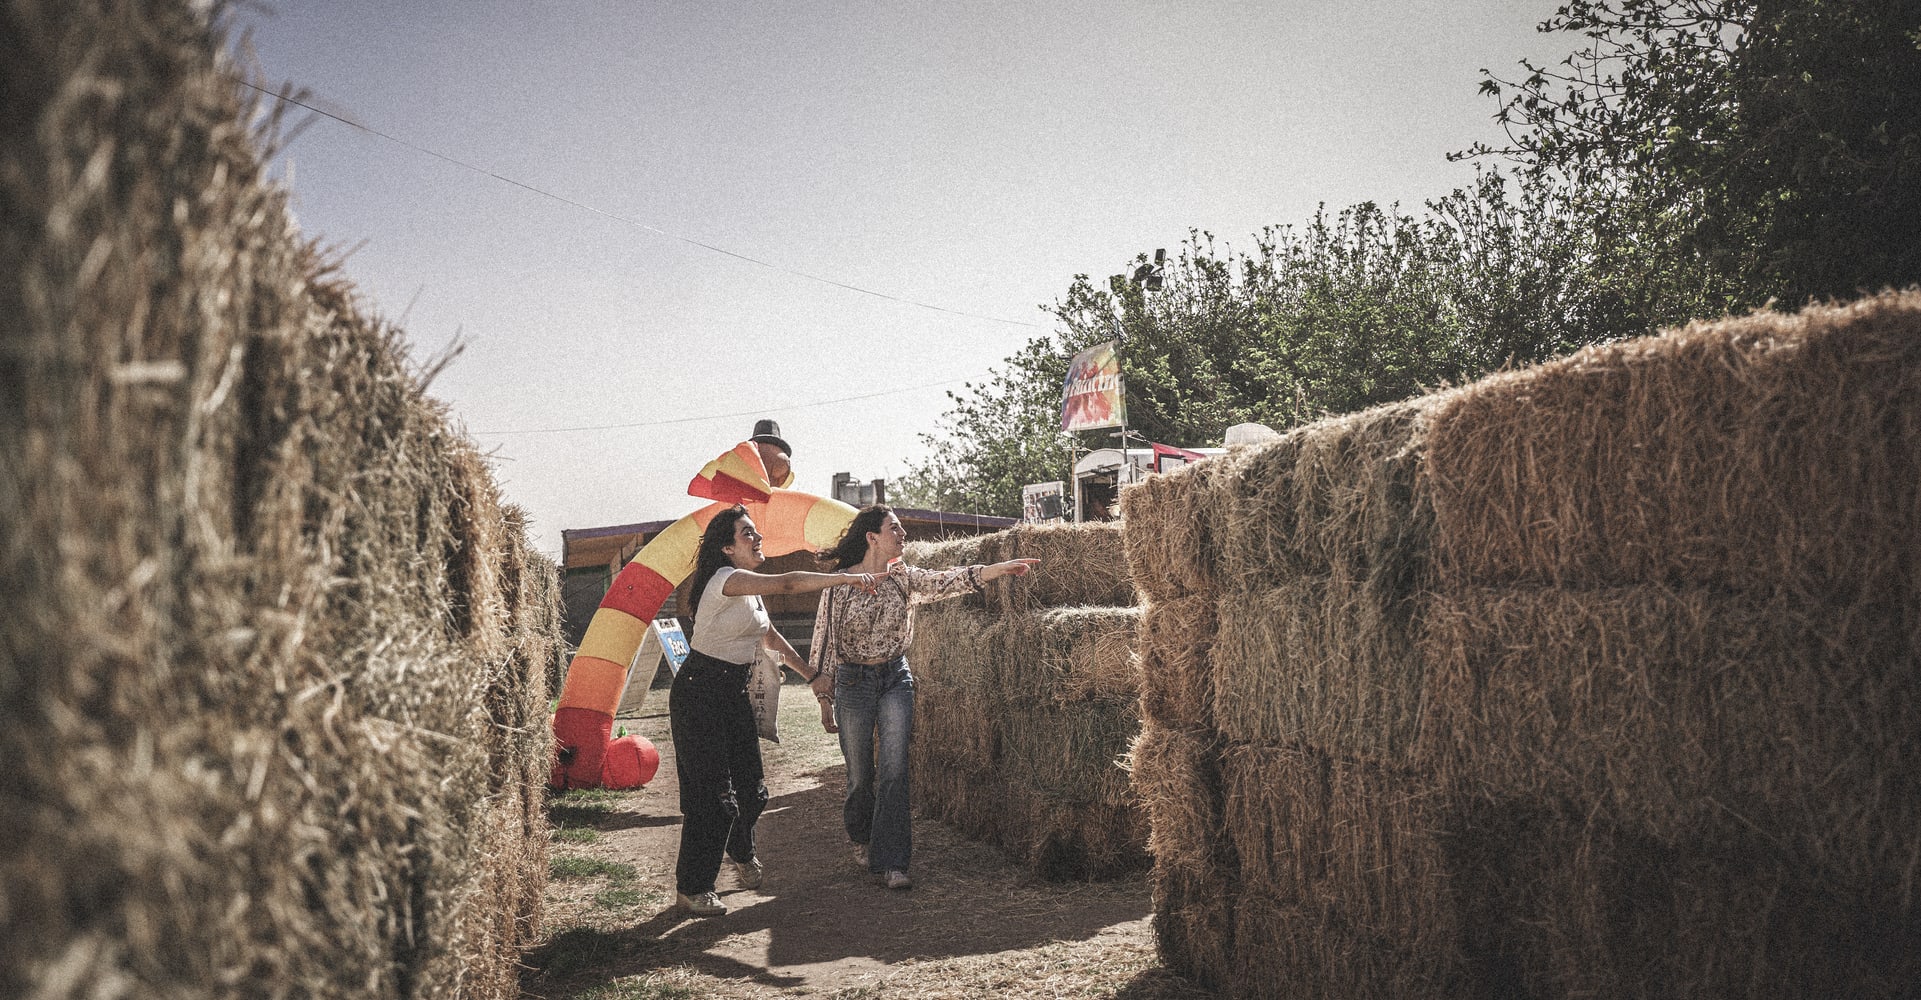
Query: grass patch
x: 582, y: 807
x: 575, y: 834
x: 624, y: 898
x: 619, y: 873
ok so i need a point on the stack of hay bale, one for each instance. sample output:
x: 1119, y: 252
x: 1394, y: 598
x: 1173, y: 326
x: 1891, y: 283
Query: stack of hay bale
x: 1026, y: 700
x: 1673, y: 649
x: 1281, y: 703
x: 1597, y: 678
x: 277, y: 665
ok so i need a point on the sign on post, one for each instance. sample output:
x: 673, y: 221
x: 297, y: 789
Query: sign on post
x: 663, y: 645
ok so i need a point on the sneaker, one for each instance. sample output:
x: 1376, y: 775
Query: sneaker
x: 860, y: 856
x: 749, y: 873
x: 898, y: 879
x: 700, y: 904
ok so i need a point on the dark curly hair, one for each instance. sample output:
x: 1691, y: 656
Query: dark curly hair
x: 710, y: 559
x: 852, y: 547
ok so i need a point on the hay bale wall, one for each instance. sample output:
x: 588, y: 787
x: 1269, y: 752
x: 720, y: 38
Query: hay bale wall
x: 1027, y: 699
x: 1594, y: 679
x: 276, y: 663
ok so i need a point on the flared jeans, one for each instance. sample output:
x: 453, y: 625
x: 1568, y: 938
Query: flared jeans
x: 874, y: 708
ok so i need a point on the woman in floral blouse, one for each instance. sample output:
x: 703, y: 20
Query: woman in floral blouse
x: 860, y: 658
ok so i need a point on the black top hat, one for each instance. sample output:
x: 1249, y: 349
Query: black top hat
x: 768, y: 431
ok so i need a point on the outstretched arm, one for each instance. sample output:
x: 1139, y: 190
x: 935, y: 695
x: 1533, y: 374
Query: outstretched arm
x: 741, y: 582
x: 1012, y: 567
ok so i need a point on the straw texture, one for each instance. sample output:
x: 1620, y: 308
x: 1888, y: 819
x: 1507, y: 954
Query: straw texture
x: 274, y: 671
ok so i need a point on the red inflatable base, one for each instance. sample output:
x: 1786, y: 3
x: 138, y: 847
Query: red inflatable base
x: 629, y: 762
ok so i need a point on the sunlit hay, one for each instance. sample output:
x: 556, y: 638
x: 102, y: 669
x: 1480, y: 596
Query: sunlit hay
x: 248, y: 738
x: 1194, y: 923
x: 1339, y: 493
x: 1319, y: 661
x: 1286, y: 950
x: 1679, y: 711
x: 969, y: 551
x: 1070, y: 654
x: 1355, y: 839
x: 1176, y: 776
x: 1080, y: 564
x: 1775, y: 447
x: 1172, y: 529
x: 1174, y: 657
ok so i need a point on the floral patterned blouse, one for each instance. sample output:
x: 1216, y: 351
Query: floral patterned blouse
x: 874, y: 628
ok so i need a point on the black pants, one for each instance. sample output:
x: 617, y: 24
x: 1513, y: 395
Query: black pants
x: 717, y: 756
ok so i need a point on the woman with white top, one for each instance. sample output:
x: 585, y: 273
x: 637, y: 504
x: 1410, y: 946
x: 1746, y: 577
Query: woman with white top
x: 716, y: 744
x: 860, y: 659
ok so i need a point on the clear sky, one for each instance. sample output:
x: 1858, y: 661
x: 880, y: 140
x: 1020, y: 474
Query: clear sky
x: 970, y: 156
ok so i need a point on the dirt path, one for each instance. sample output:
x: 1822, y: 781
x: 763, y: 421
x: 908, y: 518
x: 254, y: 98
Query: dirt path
x: 973, y: 925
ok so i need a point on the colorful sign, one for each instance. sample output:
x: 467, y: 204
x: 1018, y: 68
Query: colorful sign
x: 1093, y: 395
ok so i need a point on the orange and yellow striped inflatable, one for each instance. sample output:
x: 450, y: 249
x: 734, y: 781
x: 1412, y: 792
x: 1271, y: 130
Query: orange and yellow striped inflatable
x: 584, y: 719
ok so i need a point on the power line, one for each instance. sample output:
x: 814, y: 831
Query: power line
x: 725, y: 416
x: 416, y: 147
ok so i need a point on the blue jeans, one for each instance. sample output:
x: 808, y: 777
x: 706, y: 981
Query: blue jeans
x: 867, y: 700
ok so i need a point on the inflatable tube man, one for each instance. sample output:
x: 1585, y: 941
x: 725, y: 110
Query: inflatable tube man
x: 754, y: 474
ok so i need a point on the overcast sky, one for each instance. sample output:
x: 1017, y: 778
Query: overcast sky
x: 963, y: 161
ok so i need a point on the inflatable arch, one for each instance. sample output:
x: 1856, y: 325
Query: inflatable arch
x: 584, y: 719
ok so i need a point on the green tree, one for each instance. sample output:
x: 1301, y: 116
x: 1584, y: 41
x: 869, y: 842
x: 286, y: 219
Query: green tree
x: 1731, y: 151
x: 1365, y: 306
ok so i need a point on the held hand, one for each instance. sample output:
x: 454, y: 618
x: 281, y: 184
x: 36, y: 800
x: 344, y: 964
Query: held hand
x: 864, y: 581
x: 823, y: 686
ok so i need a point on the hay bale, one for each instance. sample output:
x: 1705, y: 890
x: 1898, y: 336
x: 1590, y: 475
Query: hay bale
x: 1170, y: 522
x: 1683, y: 711
x: 1555, y: 902
x: 1176, y: 776
x: 1322, y: 661
x: 1175, y: 660
x: 1072, y: 654
x: 1194, y: 931
x: 956, y: 648
x: 1775, y: 447
x: 1070, y: 753
x: 1080, y: 564
x: 252, y: 748
x: 1357, y: 841
x: 1339, y: 493
x: 1286, y: 950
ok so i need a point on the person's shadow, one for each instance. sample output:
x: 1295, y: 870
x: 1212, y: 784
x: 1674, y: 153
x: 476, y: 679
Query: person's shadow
x: 818, y: 906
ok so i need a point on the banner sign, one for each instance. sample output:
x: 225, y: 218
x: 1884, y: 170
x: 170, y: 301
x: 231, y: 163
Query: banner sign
x: 1093, y: 395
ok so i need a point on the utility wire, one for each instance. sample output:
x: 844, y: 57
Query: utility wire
x: 628, y: 221
x: 725, y: 416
